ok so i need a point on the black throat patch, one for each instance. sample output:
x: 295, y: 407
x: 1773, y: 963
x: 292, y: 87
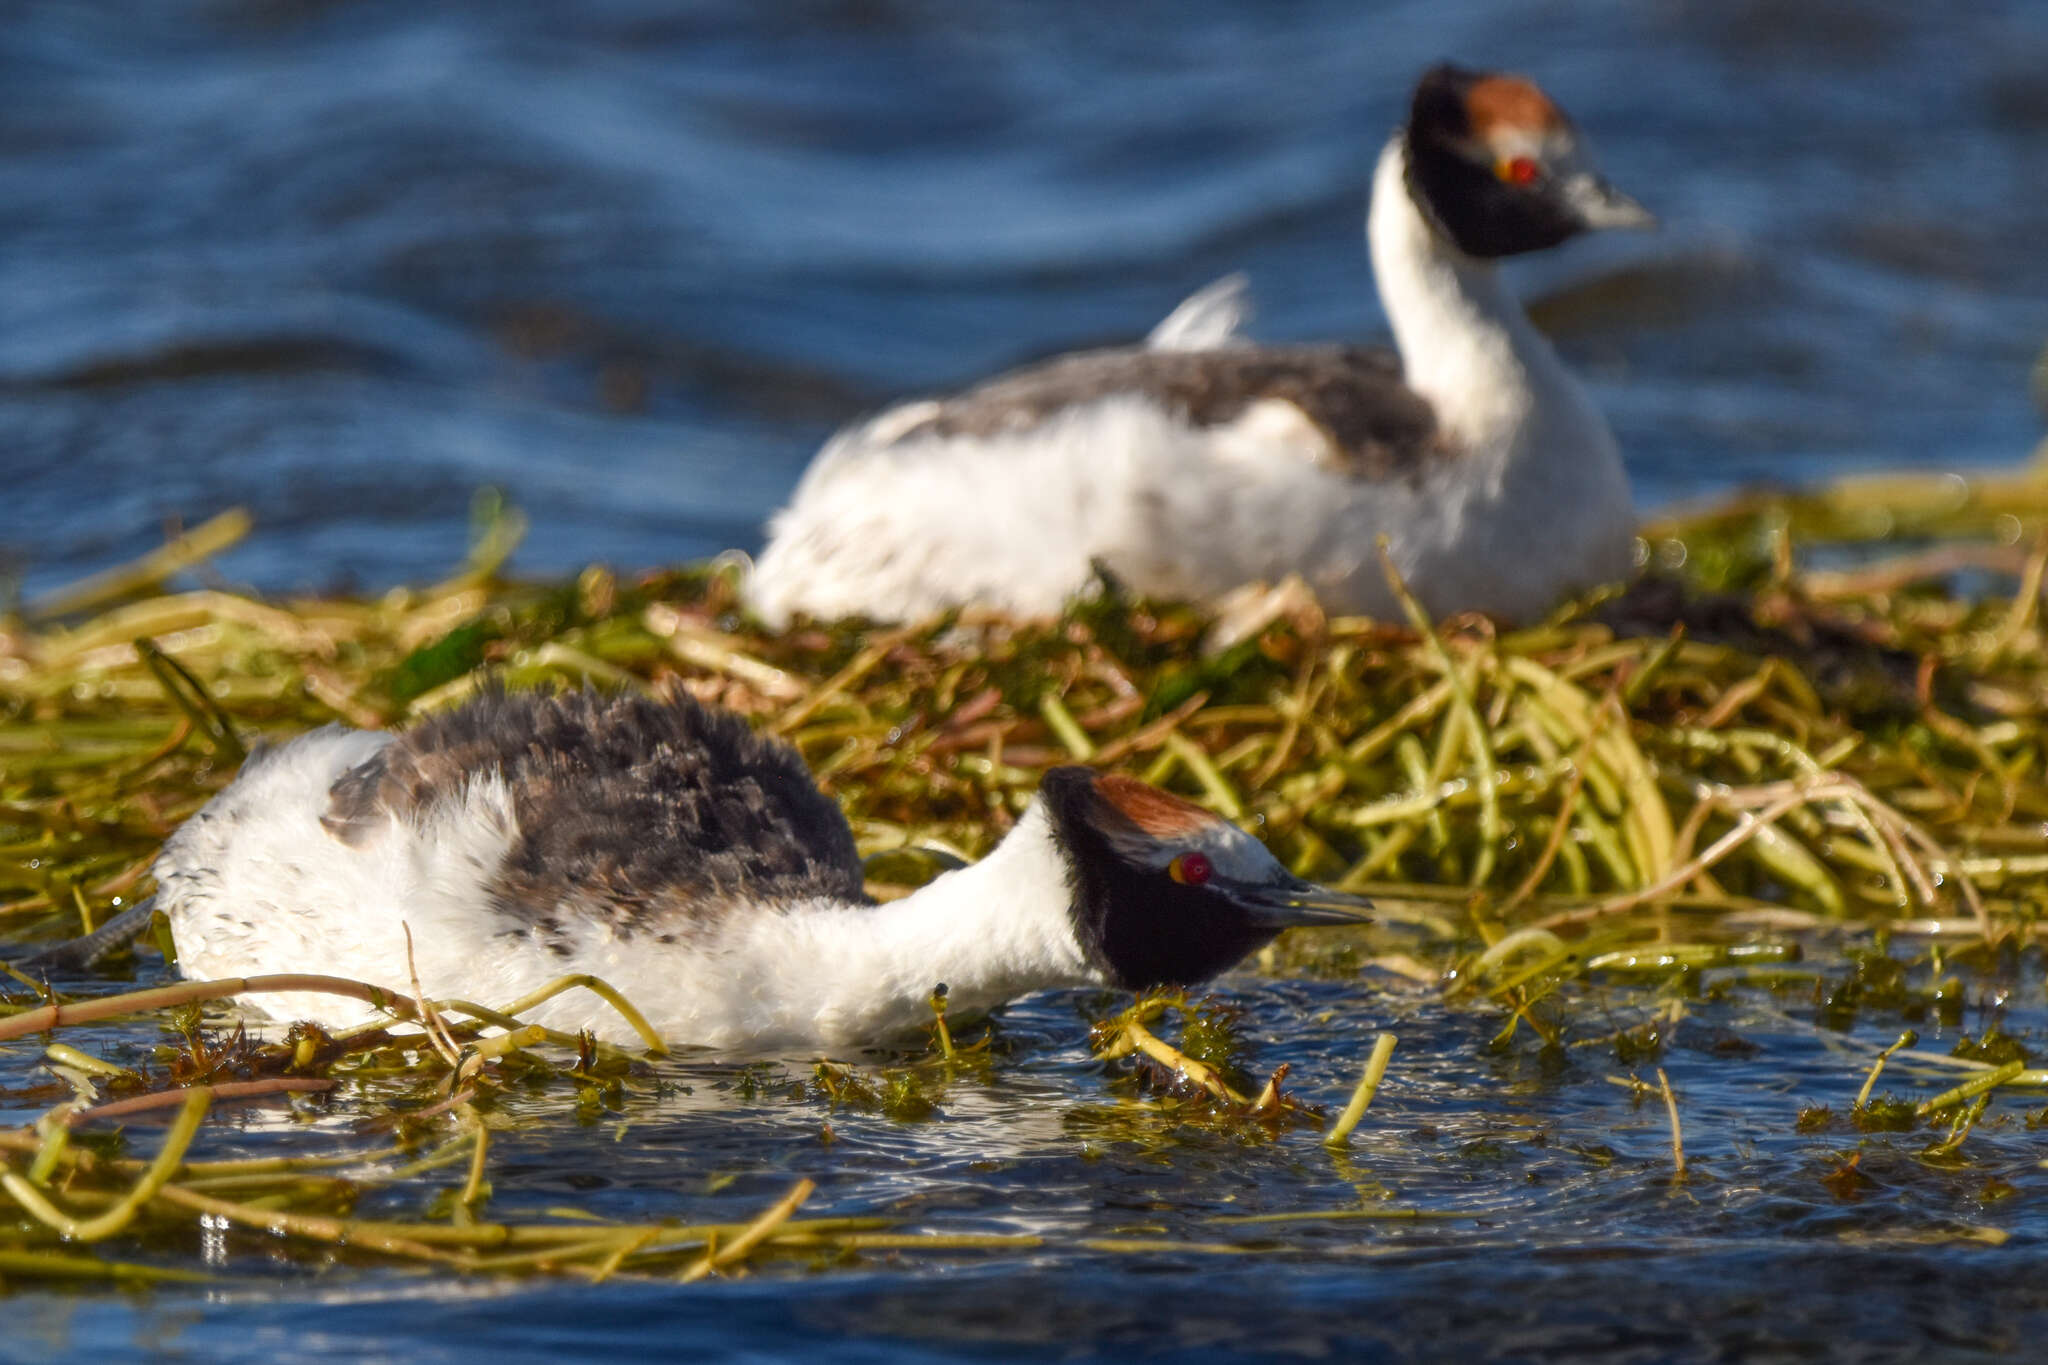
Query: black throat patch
x: 1139, y: 926
x: 1460, y: 195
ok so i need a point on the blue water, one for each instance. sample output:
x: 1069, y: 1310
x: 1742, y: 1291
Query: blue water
x: 344, y: 263
x: 1874, y: 1305
x: 1558, y: 1233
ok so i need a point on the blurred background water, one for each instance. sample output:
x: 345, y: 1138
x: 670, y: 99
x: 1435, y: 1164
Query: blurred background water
x: 346, y: 262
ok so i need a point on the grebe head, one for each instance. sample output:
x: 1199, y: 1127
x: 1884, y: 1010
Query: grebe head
x: 1164, y: 893
x: 1498, y: 169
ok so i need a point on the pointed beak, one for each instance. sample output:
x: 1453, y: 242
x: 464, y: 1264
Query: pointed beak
x: 1283, y: 905
x: 1600, y: 205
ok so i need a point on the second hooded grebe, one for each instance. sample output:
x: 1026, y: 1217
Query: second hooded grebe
x: 1199, y: 463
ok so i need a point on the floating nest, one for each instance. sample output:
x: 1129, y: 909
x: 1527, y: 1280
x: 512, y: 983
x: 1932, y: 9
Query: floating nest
x: 1813, y: 713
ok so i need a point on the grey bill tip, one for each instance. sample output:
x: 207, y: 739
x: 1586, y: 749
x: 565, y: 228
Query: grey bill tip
x: 1600, y: 205
x: 1291, y: 904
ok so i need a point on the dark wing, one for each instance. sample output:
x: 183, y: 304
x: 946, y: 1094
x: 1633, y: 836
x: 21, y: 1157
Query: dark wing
x: 636, y: 808
x: 1355, y: 394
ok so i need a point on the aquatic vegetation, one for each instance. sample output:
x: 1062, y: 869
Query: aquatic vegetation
x: 1772, y: 785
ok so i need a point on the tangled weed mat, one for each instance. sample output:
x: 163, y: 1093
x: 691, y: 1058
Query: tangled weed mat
x: 1708, y: 908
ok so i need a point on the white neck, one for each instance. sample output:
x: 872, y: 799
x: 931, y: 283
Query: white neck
x: 840, y: 975
x: 1465, y: 343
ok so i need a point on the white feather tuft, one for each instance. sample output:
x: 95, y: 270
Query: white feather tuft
x: 1206, y: 319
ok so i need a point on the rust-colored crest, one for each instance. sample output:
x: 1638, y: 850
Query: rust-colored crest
x: 1159, y: 814
x: 1502, y: 102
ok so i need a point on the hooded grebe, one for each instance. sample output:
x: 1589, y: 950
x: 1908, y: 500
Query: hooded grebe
x: 1198, y: 463
x: 693, y: 864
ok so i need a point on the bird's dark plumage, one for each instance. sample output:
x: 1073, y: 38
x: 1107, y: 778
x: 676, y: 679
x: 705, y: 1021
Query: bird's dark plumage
x: 634, y: 806
x: 1354, y: 394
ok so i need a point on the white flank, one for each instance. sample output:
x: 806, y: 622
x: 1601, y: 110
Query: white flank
x: 253, y: 884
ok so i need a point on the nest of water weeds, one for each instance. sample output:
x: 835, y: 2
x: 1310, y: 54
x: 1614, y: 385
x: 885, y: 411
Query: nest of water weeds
x: 1766, y: 744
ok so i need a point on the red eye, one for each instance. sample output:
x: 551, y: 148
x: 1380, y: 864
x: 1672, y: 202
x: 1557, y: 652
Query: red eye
x: 1520, y: 170
x: 1190, y: 869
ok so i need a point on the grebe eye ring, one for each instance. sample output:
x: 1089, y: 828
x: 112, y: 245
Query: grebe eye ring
x: 1191, y: 869
x: 1519, y: 170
